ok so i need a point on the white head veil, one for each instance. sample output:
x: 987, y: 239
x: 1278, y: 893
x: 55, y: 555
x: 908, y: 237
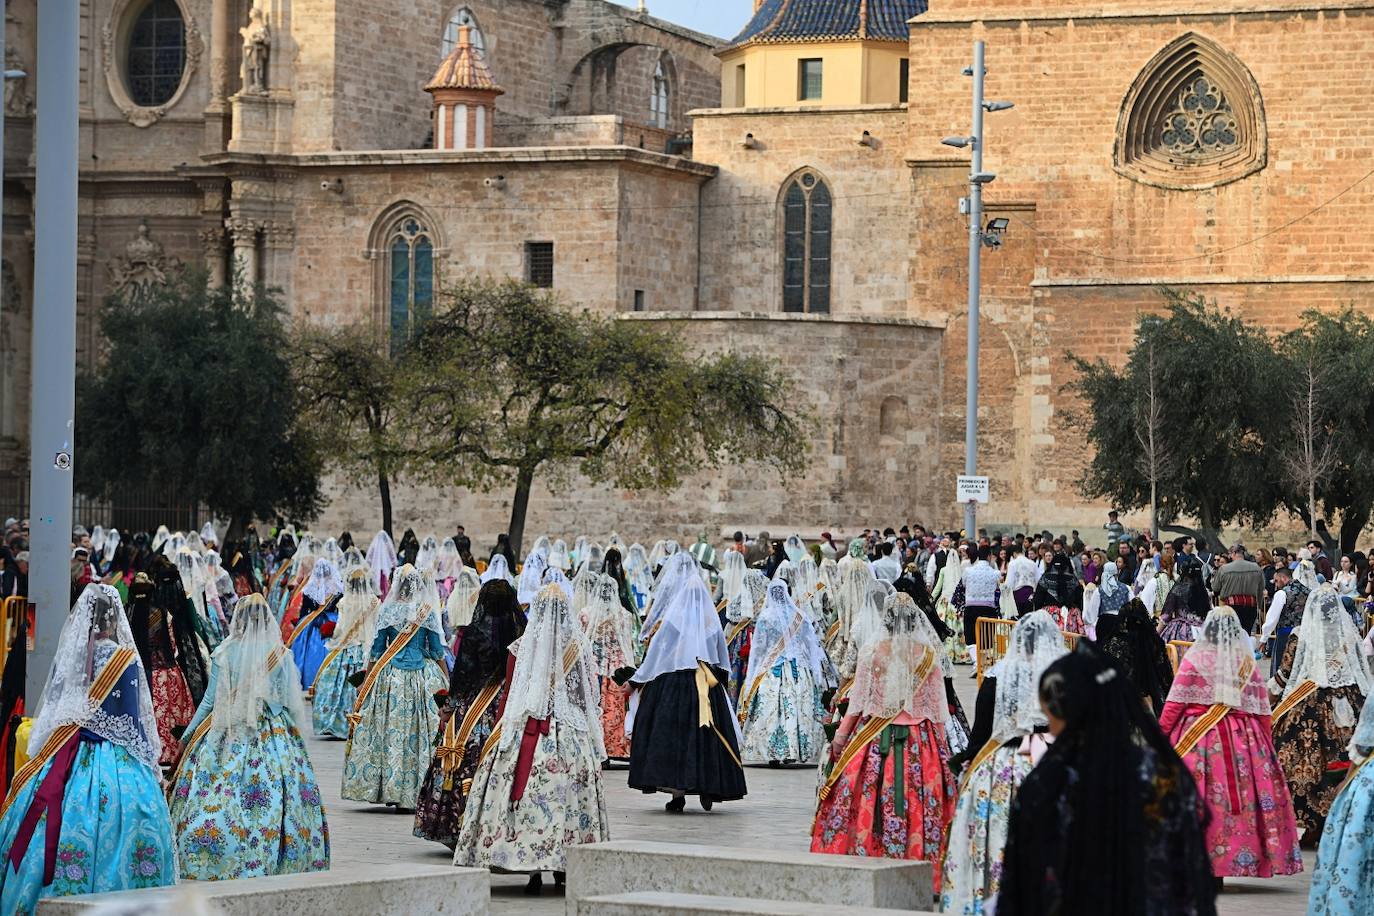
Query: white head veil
x: 244, y: 683
x: 554, y: 575
x: 748, y: 601
x: 558, y: 555
x: 584, y: 586
x: 900, y: 671
x: 543, y: 685
x: 97, y: 541
x: 462, y: 601
x: 352, y: 559
x: 92, y: 633
x: 782, y: 633
x: 498, y: 568
x: 657, y: 554
x: 381, y: 558
x: 357, y: 609
x: 325, y: 581
x: 732, y: 570
x: 449, y: 560
x: 1328, y: 651
x: 531, y: 576
x: 411, y: 599
x: 1035, y: 643
x: 1219, y: 668
x: 160, y: 538
x: 1306, y: 573
x: 795, y: 548
x: 332, y: 552
x: 638, y: 570
x: 207, y: 534
x: 111, y: 544
x: 610, y: 629
x: 428, y: 554
x: 683, y: 627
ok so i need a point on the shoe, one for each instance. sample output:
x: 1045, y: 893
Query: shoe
x: 559, y: 878
x: 774, y: 764
x: 676, y: 805
x: 706, y: 803
x: 536, y: 885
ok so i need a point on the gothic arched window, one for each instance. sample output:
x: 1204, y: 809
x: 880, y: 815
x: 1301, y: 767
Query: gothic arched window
x: 461, y: 17
x: 155, y: 55
x: 806, y: 220
x: 411, y: 273
x: 658, y: 102
x: 1192, y: 119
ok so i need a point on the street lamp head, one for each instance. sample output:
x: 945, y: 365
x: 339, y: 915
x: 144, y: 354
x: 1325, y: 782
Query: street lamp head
x: 959, y: 142
x: 983, y: 177
x: 998, y: 106
x: 998, y: 224
x: 15, y: 74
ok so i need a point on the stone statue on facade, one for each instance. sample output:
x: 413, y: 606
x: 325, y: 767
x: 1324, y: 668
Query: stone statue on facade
x: 257, y: 45
x: 18, y: 99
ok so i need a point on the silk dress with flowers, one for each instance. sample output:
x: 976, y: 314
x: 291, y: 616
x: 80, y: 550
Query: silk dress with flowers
x: 1343, y: 881
x: 246, y: 806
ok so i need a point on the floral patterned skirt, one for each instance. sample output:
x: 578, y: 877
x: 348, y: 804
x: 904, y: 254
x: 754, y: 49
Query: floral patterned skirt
x: 860, y: 816
x: 958, y: 652
x: 173, y: 706
x: 783, y: 722
x: 738, y: 650
x: 972, y: 872
x: 1251, y: 832
x: 334, y: 695
x: 439, y: 810
x: 614, y: 701
x: 386, y: 759
x: 115, y: 832
x: 563, y: 805
x: 1343, y: 882
x: 1179, y: 629
x: 1307, y: 740
x: 249, y: 807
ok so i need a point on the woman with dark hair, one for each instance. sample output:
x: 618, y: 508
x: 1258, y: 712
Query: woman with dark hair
x: 470, y: 711
x: 615, y: 568
x: 1060, y: 593
x: 1130, y: 640
x: 173, y: 705
x: 1186, y: 605
x: 1109, y: 821
x: 409, y: 549
x: 775, y: 559
x: 503, y: 549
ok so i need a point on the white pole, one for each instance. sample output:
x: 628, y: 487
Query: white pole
x: 975, y: 254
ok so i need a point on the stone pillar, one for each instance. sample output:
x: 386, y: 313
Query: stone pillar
x: 222, y: 31
x: 244, y: 235
x: 212, y: 240
x: 280, y: 239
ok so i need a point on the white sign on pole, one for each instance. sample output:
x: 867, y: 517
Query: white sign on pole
x: 972, y: 489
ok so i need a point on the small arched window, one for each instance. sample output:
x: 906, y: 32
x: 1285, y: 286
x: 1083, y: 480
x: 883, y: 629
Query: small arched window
x: 658, y: 103
x: 155, y: 56
x: 411, y: 272
x: 806, y: 244
x: 461, y: 17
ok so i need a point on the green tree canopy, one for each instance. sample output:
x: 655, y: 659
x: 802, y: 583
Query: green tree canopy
x: 194, y: 396
x: 1215, y: 372
x: 505, y: 383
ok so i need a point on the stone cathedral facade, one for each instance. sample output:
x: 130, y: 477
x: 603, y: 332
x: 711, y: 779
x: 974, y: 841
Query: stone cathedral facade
x: 782, y: 191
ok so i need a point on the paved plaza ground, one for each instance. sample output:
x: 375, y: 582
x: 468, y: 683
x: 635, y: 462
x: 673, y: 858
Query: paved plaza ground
x: 776, y: 814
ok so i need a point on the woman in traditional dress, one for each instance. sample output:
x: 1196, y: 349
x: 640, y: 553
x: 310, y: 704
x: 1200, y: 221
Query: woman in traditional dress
x: 394, y: 716
x: 1343, y: 881
x: 462, y: 601
x: 889, y: 792
x: 332, y: 693
x: 319, y: 615
x: 163, y: 628
x: 1109, y: 820
x: 584, y: 587
x: 1186, y: 605
x: 1157, y: 588
x: 1061, y: 594
x: 446, y: 566
x: 912, y: 588
x: 947, y: 581
x: 685, y: 740
x: 85, y: 814
x: 640, y: 574
x: 428, y: 556
x: 244, y: 799
x: 408, y: 551
x: 381, y: 559
x: 780, y: 709
x: 554, y: 575
x: 209, y: 625
x: 1004, y: 748
x: 532, y: 571
x: 1325, y: 678
x: 610, y: 629
x: 737, y: 621
x: 302, y: 568
x: 498, y: 568
x: 470, y: 712
x: 829, y: 576
x: 537, y: 788
x: 1135, y: 649
x: 808, y: 592
x: 856, y: 579
x: 1217, y: 718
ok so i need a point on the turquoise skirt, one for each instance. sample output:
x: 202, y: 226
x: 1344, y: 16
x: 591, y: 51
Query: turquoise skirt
x: 115, y: 832
x: 1343, y: 881
x: 309, y: 650
x: 334, y: 695
x: 250, y: 807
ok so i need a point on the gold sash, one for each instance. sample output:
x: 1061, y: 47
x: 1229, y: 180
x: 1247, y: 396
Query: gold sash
x: 1212, y: 717
x: 986, y: 751
x: 99, y: 691
x: 273, y: 659
x: 735, y: 629
x: 831, y: 632
x: 705, y: 680
x: 400, y: 642
x: 1297, y: 696
x: 772, y: 660
x: 334, y: 653
x: 450, y: 749
x: 302, y: 624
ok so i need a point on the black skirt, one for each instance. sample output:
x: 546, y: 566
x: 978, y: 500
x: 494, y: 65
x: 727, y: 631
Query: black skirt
x: 670, y: 751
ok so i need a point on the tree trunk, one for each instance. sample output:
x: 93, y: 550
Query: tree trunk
x: 1353, y: 522
x: 1312, y: 505
x: 524, y: 479
x: 1154, y: 509
x: 238, y: 524
x: 384, y: 488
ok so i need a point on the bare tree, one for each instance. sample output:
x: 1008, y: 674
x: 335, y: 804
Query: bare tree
x: 1310, y: 456
x: 1156, y: 458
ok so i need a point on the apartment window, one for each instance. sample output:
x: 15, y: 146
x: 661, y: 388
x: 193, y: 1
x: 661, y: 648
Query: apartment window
x: 539, y: 264
x: 903, y: 80
x: 809, y: 80
x: 639, y: 300
x: 739, y: 86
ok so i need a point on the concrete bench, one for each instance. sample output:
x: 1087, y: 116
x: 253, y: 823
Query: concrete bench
x: 657, y: 903
x: 376, y: 890
x: 628, y: 866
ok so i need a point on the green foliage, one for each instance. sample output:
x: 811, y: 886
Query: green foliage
x: 194, y: 397
x: 505, y: 381
x: 1216, y: 378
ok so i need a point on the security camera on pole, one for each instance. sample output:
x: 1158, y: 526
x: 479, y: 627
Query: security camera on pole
x: 978, y: 236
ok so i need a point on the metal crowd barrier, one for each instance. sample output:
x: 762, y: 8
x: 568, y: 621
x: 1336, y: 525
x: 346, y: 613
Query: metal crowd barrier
x: 991, y: 637
x: 1177, y: 649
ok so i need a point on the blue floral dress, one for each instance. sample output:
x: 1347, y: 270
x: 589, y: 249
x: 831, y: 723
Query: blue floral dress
x: 308, y: 647
x: 115, y: 834
x: 334, y: 695
x: 248, y: 805
x: 1343, y: 882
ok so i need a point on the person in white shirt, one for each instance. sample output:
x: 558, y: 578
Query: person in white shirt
x: 886, y: 567
x: 932, y: 565
x: 981, y: 584
x: 1021, y: 578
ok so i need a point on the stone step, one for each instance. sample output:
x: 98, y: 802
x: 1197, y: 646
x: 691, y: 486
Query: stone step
x: 376, y: 890
x: 627, y: 866
x: 658, y: 903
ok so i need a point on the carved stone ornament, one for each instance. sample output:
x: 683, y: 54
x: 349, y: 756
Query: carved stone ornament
x: 18, y: 98
x: 143, y: 264
x: 135, y: 114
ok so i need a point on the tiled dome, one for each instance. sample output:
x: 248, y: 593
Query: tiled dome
x: 829, y: 20
x: 464, y: 68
